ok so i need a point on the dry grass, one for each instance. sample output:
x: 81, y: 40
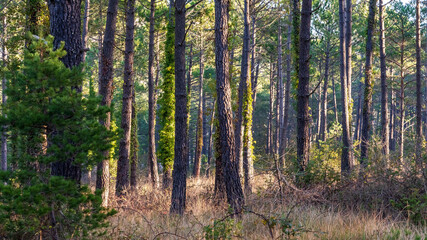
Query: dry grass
x: 143, y: 214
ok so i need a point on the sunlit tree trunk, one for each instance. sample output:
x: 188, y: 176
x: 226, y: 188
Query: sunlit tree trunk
x: 385, y: 130
x: 234, y: 190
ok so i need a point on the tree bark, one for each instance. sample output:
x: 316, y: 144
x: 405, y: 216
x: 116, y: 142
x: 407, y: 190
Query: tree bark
x: 65, y: 26
x: 199, y: 131
x: 152, y: 160
x: 122, y: 181
x: 367, y: 103
x: 234, y: 190
x: 303, y: 95
x: 209, y: 145
x: 392, y: 119
x: 106, y: 91
x: 134, y: 145
x: 179, y: 173
x: 385, y: 130
x: 346, y: 157
x: 348, y: 48
x: 335, y: 99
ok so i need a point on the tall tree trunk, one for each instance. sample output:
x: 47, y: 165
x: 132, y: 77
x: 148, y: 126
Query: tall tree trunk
x: 324, y: 102
x: 348, y: 54
x: 402, y: 118
x: 106, y: 91
x: 280, y: 89
x: 367, y: 103
x: 122, y: 181
x: 385, y: 130
x: 3, y: 93
x: 303, y: 95
x: 346, y: 157
x: 220, y: 191
x: 65, y: 26
x: 134, y: 145
x: 244, y: 78
x: 418, y: 129
x: 234, y: 190
x: 152, y: 160
x: 180, y: 161
x: 287, y: 92
x: 199, y: 131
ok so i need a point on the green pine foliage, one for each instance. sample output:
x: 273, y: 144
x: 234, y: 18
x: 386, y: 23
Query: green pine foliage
x: 166, y: 150
x: 50, y: 122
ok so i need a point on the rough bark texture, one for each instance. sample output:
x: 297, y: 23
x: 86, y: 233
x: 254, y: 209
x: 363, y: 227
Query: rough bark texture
x: 220, y: 191
x: 65, y: 26
x: 346, y: 157
x: 179, y: 173
x: 122, y: 181
x: 367, y: 103
x: 348, y: 55
x: 209, y: 145
x: 234, y: 190
x: 106, y: 91
x: 199, y: 131
x: 385, y: 130
x: 303, y: 95
x: 152, y: 160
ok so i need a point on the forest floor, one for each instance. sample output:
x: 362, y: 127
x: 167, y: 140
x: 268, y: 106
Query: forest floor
x: 317, y: 213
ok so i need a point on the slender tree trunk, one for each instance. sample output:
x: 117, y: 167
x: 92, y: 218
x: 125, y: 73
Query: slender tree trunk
x: 346, y: 157
x: 324, y: 102
x: 270, y: 112
x: 65, y: 26
x: 348, y: 48
x: 367, y: 103
x: 385, y: 130
x: 287, y: 91
x: 152, y: 160
x: 199, y: 131
x: 418, y: 129
x: 402, y: 118
x: 106, y: 91
x: 220, y: 191
x: 303, y: 95
x: 234, y: 190
x: 189, y: 78
x: 359, y: 114
x: 3, y: 93
x: 335, y: 98
x: 280, y: 90
x: 244, y: 78
x: 392, y: 120
x: 85, y: 29
x: 134, y: 145
x: 180, y: 162
x: 122, y: 181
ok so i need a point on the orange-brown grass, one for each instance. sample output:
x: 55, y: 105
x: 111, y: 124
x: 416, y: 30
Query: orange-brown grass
x: 144, y: 214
